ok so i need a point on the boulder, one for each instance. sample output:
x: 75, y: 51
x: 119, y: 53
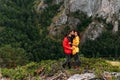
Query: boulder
x: 116, y: 75
x: 85, y: 76
x: 73, y: 22
x: 93, y: 31
x: 107, y: 76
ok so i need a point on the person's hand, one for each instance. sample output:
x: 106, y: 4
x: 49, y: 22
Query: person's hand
x: 69, y: 43
x: 71, y: 48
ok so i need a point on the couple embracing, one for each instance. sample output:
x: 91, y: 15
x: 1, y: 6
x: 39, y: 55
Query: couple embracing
x: 71, y: 49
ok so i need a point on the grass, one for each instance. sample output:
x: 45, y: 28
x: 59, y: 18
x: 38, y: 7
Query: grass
x: 53, y: 67
x: 114, y: 63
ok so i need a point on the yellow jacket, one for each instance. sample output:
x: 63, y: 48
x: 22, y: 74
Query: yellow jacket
x: 75, y: 44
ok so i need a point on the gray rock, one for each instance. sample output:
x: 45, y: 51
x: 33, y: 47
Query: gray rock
x: 106, y: 9
x: 116, y: 75
x: 73, y: 22
x: 85, y: 76
x: 61, y: 20
x: 92, y: 7
x: 107, y: 76
x: 115, y: 27
x: 87, y: 6
x: 40, y: 6
x: 5, y: 79
x: 93, y: 31
x: 56, y: 26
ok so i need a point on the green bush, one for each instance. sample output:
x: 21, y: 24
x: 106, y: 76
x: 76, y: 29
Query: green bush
x: 106, y: 46
x: 45, y: 18
x: 20, y: 28
x: 47, y: 49
x: 52, y: 67
x: 16, y: 74
x: 11, y: 57
x: 28, y: 71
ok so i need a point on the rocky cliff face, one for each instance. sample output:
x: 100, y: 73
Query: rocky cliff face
x: 92, y: 7
x: 109, y: 10
x: 106, y: 9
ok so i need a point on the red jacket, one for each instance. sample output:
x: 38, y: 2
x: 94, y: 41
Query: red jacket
x: 66, y: 46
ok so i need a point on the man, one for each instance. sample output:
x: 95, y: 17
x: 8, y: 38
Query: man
x: 68, y: 48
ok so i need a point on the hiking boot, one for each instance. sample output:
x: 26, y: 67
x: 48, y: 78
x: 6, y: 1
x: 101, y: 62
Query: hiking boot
x: 69, y: 67
x: 76, y: 67
x: 63, y: 66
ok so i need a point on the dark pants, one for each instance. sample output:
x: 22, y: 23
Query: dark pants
x: 68, y: 61
x: 77, y: 60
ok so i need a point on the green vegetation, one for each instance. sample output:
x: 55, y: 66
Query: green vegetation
x: 106, y: 46
x: 11, y: 57
x: 52, y: 67
x: 24, y: 39
x: 25, y: 31
x: 45, y: 18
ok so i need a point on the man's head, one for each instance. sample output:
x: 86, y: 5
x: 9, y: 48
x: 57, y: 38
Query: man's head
x: 71, y: 32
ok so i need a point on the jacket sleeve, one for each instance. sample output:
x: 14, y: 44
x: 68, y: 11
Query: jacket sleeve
x: 65, y: 42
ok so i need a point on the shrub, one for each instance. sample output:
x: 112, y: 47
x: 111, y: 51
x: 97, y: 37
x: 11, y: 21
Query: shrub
x: 11, y: 57
x: 46, y: 49
x: 53, y: 67
x: 106, y: 46
x: 23, y: 28
x: 46, y: 16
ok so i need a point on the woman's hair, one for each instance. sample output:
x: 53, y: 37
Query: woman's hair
x: 77, y: 33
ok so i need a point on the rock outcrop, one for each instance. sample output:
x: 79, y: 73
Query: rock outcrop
x: 93, y: 31
x: 92, y: 76
x: 40, y: 6
x: 86, y: 76
x: 57, y: 25
x: 92, y: 7
x: 108, y: 10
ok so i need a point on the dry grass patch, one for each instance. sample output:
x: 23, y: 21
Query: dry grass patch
x: 114, y: 63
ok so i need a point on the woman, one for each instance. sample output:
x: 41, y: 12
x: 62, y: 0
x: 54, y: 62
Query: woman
x: 75, y: 51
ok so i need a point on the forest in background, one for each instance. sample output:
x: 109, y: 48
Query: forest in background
x: 24, y: 35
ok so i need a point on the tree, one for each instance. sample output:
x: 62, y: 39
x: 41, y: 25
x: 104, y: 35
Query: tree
x: 11, y: 57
